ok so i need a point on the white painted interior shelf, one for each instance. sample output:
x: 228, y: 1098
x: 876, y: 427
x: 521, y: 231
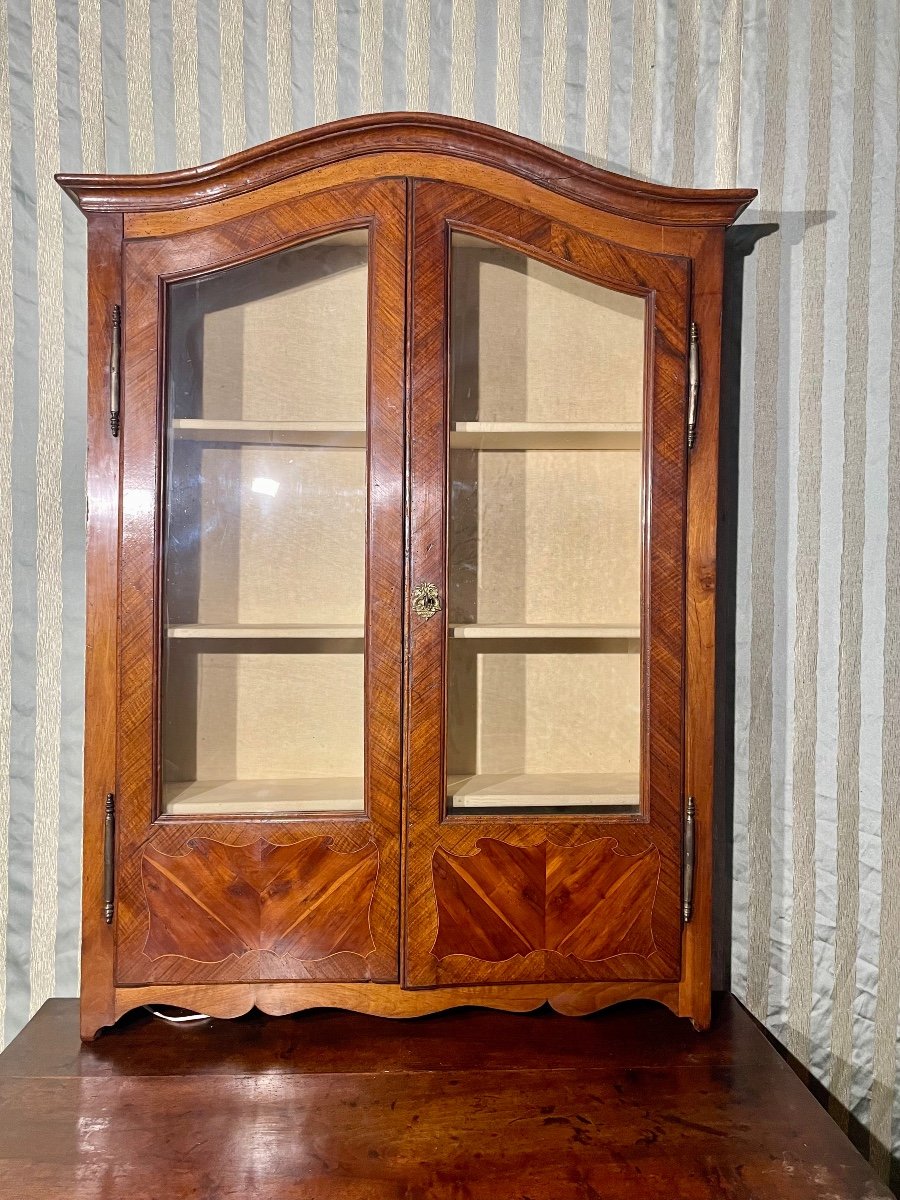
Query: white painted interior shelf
x: 543, y: 791
x: 206, y: 632
x: 294, y: 632
x: 229, y: 796
x: 345, y: 793
x: 464, y: 435
x: 537, y: 435
x: 278, y: 433
x: 539, y: 632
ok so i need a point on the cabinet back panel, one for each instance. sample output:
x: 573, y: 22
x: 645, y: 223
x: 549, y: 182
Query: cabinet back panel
x: 543, y: 713
x: 263, y: 716
x: 532, y: 343
x: 545, y: 537
x: 267, y: 535
x: 282, y: 338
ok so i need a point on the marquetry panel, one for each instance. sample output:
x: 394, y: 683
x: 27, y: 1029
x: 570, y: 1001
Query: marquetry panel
x: 223, y: 892
x: 588, y: 902
x: 443, y: 913
x: 303, y: 901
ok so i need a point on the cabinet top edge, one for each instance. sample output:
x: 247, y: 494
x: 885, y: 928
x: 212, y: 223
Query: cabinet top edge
x: 416, y: 132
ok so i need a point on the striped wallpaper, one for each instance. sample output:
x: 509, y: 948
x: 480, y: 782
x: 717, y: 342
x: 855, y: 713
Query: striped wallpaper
x: 797, y: 97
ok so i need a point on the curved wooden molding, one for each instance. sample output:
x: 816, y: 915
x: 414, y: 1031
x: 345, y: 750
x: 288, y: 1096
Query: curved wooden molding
x: 385, y: 1000
x: 589, y: 902
x: 425, y: 133
x: 303, y: 901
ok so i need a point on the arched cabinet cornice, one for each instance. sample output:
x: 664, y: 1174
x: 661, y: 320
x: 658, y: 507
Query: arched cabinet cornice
x: 419, y: 133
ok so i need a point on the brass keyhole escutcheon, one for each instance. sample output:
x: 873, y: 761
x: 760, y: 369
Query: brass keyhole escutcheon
x: 426, y: 600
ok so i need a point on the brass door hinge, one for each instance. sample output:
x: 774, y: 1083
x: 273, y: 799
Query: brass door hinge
x: 688, y: 860
x: 115, y: 355
x: 693, y: 386
x: 109, y: 858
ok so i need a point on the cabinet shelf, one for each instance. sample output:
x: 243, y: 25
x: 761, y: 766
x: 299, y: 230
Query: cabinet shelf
x: 203, y: 632
x: 345, y: 793
x: 466, y: 632
x: 541, y: 632
x: 543, y: 791
x: 538, y: 435
x: 464, y: 435
x: 261, y: 796
x: 340, y: 434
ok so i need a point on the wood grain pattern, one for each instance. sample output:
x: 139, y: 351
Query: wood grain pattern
x: 329, y: 1040
x: 419, y: 132
x: 335, y: 1106
x: 700, y: 622
x: 589, y: 902
x: 304, y: 900
x: 408, y: 164
x: 278, y: 998
x: 100, y: 702
x: 665, y: 282
x: 142, y: 833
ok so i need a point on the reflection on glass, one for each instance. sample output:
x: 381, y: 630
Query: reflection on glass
x: 265, y: 525
x: 545, y: 537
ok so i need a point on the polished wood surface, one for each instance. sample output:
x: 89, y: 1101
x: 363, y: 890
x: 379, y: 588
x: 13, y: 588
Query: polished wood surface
x: 631, y: 1105
x: 304, y: 900
x: 236, y: 874
x: 101, y: 620
x: 419, y: 132
x: 407, y: 164
x: 505, y: 901
x: 700, y: 618
x: 392, y: 1000
x: 444, y: 854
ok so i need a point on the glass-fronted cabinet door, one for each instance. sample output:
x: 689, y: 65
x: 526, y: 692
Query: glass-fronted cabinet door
x: 261, y: 600
x: 546, y: 625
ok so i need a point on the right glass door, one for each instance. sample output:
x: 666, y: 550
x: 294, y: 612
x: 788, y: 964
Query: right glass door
x: 548, y: 470
x: 544, y: 584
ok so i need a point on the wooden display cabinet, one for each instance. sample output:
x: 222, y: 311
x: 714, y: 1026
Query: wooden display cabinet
x: 403, y: 441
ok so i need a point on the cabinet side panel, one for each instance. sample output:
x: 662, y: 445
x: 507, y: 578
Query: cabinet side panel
x: 104, y: 291
x: 700, y: 648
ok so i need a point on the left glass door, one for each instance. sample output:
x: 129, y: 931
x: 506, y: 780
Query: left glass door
x: 262, y: 564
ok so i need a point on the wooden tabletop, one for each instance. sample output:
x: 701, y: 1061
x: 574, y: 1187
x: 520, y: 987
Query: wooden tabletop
x: 631, y: 1103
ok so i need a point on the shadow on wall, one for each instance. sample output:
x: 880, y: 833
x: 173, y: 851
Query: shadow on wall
x: 740, y: 243
x: 851, y: 1125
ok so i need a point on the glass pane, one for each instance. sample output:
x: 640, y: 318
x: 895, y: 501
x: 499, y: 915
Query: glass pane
x: 265, y: 531
x: 545, y: 537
